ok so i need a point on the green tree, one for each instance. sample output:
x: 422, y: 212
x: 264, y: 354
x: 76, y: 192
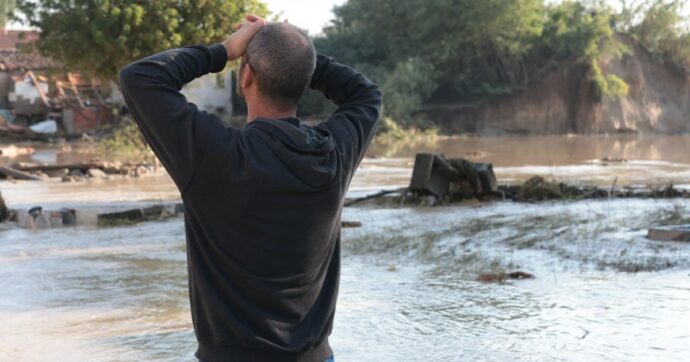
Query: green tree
x: 584, y: 33
x: 474, y: 42
x: 663, y: 31
x: 467, y: 50
x: 6, y: 8
x: 98, y: 37
x: 465, y: 47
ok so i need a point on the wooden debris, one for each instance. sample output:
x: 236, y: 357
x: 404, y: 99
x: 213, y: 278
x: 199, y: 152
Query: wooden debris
x: 351, y: 224
x: 373, y: 196
x: 8, y: 172
x: 502, y: 277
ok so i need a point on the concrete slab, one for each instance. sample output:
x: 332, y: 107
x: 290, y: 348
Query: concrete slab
x: 670, y: 233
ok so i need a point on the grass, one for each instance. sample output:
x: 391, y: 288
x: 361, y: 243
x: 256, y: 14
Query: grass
x: 392, y: 138
x: 124, y: 142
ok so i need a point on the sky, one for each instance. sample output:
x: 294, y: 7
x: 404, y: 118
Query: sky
x: 313, y: 15
x: 306, y: 14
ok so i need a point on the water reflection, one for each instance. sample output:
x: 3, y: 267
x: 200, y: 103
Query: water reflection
x: 554, y: 150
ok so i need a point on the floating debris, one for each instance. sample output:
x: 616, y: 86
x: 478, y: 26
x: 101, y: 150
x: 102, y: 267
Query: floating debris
x: 351, y: 224
x: 502, y: 277
x: 609, y: 159
x: 669, y: 233
x: 434, y: 175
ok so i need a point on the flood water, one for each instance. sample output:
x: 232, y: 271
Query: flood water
x: 408, y: 290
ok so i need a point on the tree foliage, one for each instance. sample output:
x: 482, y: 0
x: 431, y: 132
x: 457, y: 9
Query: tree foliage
x: 6, y: 8
x: 98, y: 37
x: 473, y: 42
x: 663, y: 30
x: 585, y: 33
x: 468, y: 50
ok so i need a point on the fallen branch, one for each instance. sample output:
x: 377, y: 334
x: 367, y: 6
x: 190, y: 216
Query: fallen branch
x: 373, y: 196
x: 17, y: 174
x: 586, y: 333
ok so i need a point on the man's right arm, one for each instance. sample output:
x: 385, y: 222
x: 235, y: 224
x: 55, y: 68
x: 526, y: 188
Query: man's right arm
x: 359, y: 106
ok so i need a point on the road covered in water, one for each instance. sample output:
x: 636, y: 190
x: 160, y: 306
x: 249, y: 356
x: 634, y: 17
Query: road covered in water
x: 409, y: 288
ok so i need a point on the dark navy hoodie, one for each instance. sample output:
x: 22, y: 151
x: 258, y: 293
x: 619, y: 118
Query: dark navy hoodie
x: 262, y: 204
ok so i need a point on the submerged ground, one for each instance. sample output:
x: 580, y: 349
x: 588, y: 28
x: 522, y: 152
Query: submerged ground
x: 408, y: 291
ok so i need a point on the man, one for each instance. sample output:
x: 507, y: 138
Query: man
x: 262, y: 203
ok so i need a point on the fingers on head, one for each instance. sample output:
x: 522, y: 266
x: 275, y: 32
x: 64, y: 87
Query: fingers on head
x: 255, y: 19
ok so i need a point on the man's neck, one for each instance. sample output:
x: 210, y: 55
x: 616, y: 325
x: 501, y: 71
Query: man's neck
x: 269, y: 112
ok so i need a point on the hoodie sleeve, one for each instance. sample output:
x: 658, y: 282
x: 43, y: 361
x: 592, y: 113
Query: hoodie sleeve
x: 174, y: 128
x: 359, y: 106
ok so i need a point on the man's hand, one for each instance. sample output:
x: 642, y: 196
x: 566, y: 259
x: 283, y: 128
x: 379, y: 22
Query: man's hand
x: 236, y: 44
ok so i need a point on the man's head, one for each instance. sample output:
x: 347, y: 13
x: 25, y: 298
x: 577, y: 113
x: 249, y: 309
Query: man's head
x: 276, y: 67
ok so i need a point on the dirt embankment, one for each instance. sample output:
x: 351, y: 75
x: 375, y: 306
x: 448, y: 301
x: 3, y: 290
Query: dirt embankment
x: 565, y: 101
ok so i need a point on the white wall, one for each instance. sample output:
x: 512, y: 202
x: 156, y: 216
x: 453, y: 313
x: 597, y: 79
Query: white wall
x: 25, y: 90
x: 209, y: 95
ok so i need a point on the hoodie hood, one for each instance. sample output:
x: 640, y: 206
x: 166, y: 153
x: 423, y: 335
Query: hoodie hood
x: 309, y: 153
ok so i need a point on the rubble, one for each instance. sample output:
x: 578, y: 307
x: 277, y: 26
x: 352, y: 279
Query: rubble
x: 74, y: 172
x: 437, y: 181
x: 96, y: 173
x: 437, y: 176
x: 37, y: 218
x: 21, y: 133
x: 40, y: 218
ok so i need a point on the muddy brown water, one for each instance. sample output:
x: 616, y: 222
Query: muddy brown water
x: 408, y: 291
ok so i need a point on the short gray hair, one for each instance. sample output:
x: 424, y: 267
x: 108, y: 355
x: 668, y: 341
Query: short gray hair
x: 283, y: 58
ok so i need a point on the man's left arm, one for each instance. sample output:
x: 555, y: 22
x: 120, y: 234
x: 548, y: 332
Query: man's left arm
x: 175, y: 128
x: 171, y: 125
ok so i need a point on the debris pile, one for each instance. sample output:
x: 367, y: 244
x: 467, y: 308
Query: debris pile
x: 437, y: 180
x: 38, y: 218
x: 453, y: 178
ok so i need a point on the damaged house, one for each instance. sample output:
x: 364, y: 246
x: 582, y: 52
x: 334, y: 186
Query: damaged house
x: 35, y: 89
x: 19, y: 96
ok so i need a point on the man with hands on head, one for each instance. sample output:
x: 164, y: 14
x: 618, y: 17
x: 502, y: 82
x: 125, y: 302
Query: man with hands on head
x: 262, y: 203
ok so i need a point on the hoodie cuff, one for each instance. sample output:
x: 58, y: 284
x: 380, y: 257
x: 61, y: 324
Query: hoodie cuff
x: 219, y: 57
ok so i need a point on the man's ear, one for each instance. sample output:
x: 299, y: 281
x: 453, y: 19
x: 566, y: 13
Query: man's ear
x: 248, y: 76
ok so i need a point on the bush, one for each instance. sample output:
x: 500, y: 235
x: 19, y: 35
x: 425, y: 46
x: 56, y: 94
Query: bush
x: 406, y: 88
x: 126, y: 143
